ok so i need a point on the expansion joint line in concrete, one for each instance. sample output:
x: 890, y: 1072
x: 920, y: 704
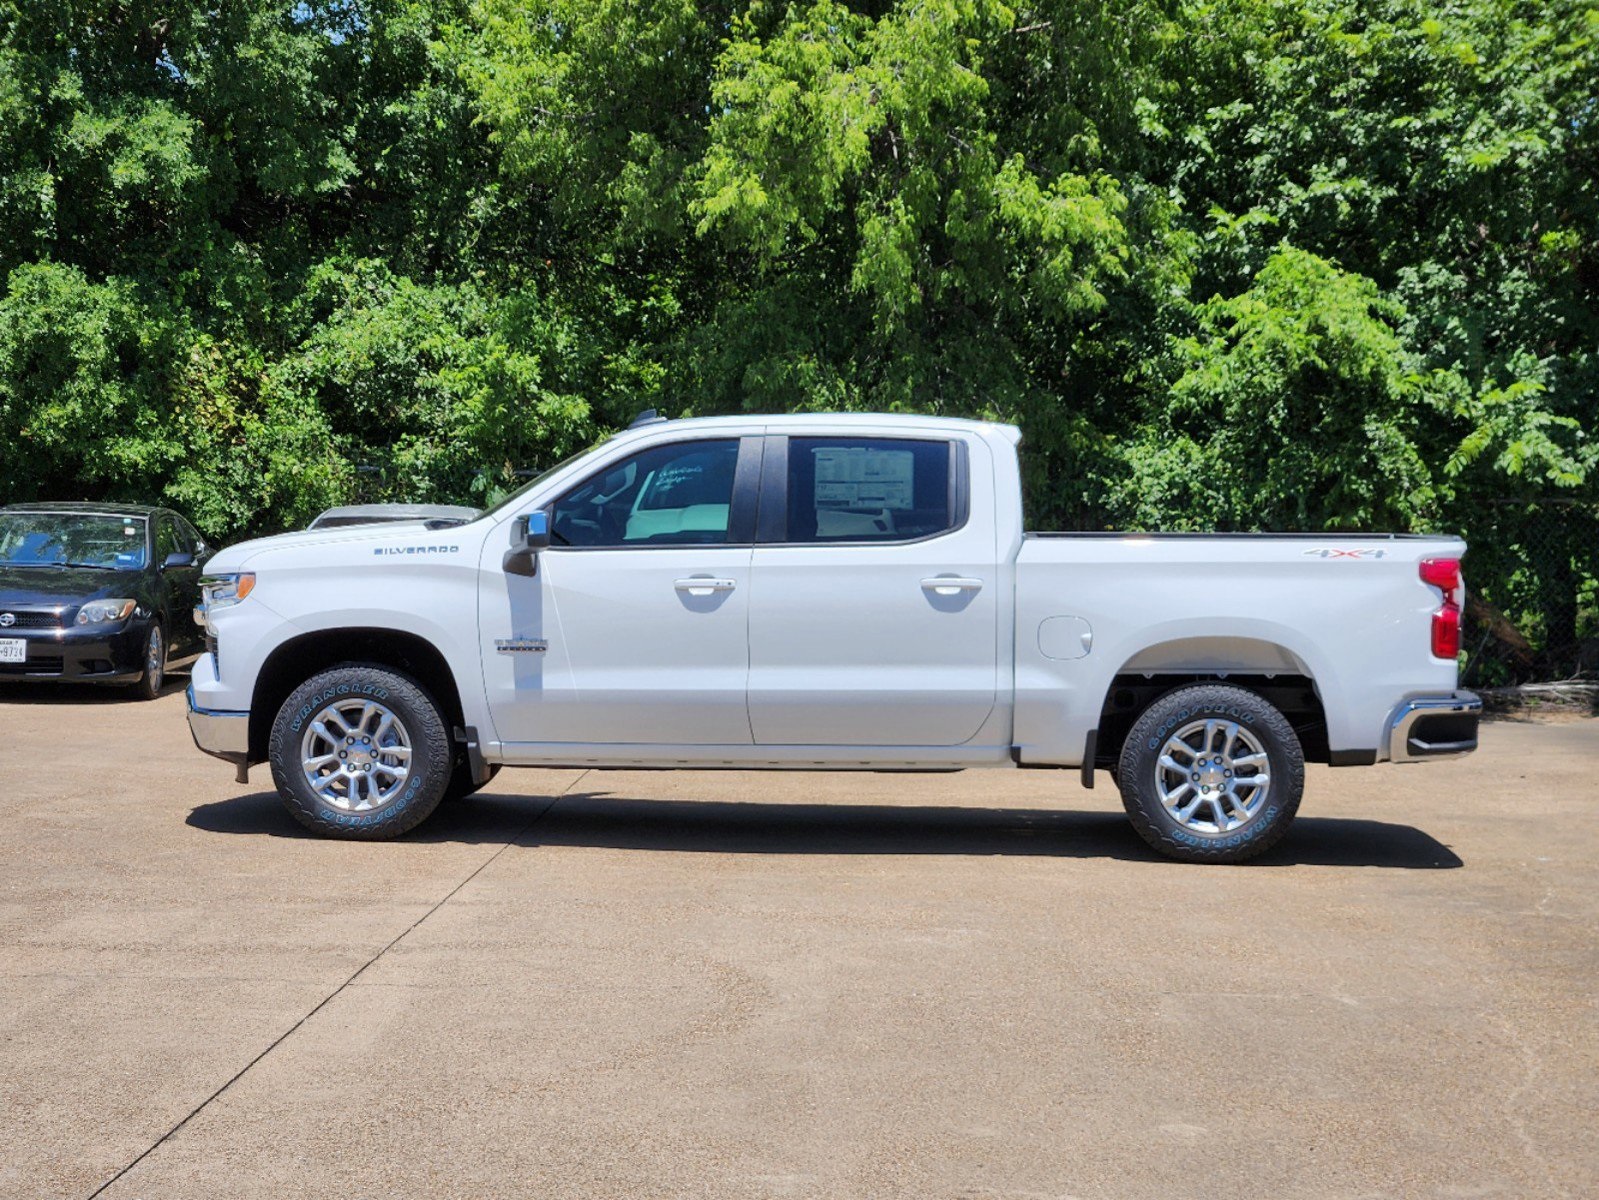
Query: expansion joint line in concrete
x: 334, y: 994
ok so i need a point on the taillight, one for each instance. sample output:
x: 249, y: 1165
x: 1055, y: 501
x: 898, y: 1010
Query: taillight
x: 1444, y: 574
x: 1446, y: 632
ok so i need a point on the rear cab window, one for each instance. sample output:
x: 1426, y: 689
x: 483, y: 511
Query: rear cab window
x: 861, y: 489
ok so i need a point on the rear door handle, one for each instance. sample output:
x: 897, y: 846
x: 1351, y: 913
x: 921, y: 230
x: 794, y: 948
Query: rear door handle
x: 950, y: 585
x: 704, y: 585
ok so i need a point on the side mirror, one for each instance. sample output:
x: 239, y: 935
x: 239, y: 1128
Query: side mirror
x: 529, y: 535
x: 179, y: 558
x: 536, y: 531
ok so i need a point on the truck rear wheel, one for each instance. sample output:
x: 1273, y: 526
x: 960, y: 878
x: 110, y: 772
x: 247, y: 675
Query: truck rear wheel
x: 1211, y: 773
x: 360, y: 752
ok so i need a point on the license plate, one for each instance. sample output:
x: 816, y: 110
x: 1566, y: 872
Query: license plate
x: 13, y: 650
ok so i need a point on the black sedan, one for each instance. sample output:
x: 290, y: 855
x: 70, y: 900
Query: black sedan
x: 98, y: 593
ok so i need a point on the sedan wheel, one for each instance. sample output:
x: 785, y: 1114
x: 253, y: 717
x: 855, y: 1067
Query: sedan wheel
x: 154, y: 665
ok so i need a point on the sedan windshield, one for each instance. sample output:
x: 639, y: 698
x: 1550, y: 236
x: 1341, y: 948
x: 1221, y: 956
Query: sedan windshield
x: 103, y: 541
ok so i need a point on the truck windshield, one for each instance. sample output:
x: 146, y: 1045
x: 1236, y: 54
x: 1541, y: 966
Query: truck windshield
x: 103, y: 541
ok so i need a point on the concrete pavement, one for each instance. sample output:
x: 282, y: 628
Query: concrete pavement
x: 748, y: 985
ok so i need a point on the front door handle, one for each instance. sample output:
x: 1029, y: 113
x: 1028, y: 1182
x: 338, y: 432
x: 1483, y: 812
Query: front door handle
x: 951, y: 585
x: 704, y: 585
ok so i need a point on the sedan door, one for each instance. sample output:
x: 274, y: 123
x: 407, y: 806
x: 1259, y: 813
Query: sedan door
x: 186, y: 588
x: 179, y: 588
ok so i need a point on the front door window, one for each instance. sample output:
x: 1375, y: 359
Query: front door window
x: 675, y: 495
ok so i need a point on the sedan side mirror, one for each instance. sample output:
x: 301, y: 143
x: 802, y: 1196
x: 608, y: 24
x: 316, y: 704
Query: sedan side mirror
x: 178, y: 558
x: 529, y: 535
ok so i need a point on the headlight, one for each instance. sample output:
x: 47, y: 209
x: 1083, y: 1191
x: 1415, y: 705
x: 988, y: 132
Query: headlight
x: 222, y: 591
x: 101, y: 612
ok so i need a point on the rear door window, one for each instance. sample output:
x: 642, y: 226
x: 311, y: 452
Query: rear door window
x: 847, y: 489
x: 190, y: 540
x: 166, y: 539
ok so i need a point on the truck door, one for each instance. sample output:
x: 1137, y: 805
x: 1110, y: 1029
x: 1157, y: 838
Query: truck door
x: 634, y: 628
x: 874, y: 612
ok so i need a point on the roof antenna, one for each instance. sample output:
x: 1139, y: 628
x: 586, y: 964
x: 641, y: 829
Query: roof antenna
x: 648, y: 417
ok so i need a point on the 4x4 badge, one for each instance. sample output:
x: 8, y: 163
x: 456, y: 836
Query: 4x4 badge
x: 1343, y: 553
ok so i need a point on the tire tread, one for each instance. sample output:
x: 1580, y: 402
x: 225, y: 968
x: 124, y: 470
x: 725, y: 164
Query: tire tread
x: 1137, y: 789
x: 424, y: 723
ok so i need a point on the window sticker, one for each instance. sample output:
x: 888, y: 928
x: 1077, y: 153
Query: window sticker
x: 858, y: 477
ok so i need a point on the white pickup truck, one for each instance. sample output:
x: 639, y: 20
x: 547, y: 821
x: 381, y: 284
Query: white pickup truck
x: 840, y: 592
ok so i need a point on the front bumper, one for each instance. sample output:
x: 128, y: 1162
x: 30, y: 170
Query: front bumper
x: 1428, y: 727
x: 224, y: 735
x: 77, y: 654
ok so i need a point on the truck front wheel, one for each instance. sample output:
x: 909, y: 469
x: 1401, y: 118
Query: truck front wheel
x: 360, y: 752
x: 1211, y: 773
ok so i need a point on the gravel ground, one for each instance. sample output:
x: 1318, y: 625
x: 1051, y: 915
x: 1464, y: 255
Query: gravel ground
x: 759, y: 985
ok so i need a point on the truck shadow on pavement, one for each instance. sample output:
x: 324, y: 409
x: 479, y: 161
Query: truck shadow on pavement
x: 603, y: 820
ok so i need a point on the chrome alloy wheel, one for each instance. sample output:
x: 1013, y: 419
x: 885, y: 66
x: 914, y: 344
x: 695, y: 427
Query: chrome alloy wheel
x: 356, y: 755
x: 155, y: 658
x: 1213, y: 775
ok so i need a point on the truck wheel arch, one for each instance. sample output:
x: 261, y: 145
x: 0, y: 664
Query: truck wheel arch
x: 297, y: 659
x: 1197, y: 655
x: 1269, y: 669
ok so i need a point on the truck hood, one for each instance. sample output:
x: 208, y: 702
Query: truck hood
x: 367, y: 539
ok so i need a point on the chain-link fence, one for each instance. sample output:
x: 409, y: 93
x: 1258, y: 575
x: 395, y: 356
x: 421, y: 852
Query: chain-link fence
x: 1533, y: 576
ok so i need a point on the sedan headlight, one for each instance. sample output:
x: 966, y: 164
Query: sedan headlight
x: 103, y: 612
x: 222, y: 591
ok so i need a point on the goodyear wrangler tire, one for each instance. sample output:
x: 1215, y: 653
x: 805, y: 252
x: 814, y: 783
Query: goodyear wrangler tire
x: 1211, y: 773
x: 360, y: 751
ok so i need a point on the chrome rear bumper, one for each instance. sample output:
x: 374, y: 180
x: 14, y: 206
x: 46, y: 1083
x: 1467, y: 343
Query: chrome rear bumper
x: 1434, y: 727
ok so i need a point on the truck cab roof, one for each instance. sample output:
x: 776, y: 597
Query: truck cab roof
x: 819, y: 423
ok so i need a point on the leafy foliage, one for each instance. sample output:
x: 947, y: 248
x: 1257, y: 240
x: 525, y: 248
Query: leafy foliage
x: 1230, y: 263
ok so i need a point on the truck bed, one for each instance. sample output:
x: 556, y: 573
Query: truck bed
x: 1347, y: 613
x: 1320, y: 537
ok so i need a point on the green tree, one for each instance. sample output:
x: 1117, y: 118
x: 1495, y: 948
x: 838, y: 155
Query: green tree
x: 1229, y: 263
